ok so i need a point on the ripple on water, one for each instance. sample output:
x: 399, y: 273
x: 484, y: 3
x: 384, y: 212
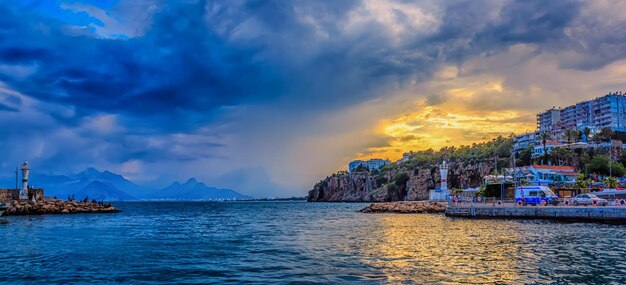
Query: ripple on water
x: 304, y: 243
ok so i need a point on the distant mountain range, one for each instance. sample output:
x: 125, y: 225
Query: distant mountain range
x: 109, y: 186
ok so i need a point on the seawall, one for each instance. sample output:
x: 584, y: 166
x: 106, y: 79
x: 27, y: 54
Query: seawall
x: 614, y: 214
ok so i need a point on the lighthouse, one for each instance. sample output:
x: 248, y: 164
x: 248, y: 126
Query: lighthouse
x: 443, y: 169
x: 25, y: 170
x: 441, y: 193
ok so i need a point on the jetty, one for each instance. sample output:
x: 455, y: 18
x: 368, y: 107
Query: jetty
x: 29, y: 200
x: 609, y: 214
x: 56, y: 206
x: 406, y: 207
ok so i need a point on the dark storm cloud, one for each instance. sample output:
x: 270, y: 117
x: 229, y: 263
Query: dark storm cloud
x: 187, y: 66
x: 179, y: 64
x: 189, y: 62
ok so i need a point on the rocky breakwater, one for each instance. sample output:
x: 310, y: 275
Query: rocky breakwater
x: 408, y: 207
x: 55, y: 206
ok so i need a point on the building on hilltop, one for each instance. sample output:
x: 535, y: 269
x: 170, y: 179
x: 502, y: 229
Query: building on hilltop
x: 523, y: 141
x: 405, y: 157
x: 372, y: 164
x: 548, y: 120
x: 538, y: 149
x: 606, y: 112
x: 610, y: 112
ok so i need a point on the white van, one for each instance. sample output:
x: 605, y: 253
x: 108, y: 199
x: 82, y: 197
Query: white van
x: 535, y: 195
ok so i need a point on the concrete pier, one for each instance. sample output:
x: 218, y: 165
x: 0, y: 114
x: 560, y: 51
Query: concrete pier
x: 612, y: 214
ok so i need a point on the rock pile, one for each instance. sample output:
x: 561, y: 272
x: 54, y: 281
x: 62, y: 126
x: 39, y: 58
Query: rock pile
x: 55, y: 206
x: 405, y: 207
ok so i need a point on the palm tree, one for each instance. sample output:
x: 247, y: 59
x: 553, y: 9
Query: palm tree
x: 607, y: 133
x: 569, y: 134
x: 611, y: 182
x: 582, y: 182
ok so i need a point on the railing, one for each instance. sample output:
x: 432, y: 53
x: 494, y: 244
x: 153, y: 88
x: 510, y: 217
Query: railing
x: 495, y: 202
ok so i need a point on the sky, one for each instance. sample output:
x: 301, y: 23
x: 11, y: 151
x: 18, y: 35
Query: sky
x: 269, y: 97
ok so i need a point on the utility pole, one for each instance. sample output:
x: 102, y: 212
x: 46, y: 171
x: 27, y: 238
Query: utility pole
x: 610, y: 157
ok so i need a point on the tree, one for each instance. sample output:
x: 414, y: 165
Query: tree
x: 401, y: 179
x: 618, y: 169
x: 582, y: 182
x: 579, y: 135
x: 622, y: 159
x: 569, y: 134
x: 600, y: 164
x: 584, y: 160
x: 380, y: 181
x: 606, y: 134
x: 525, y: 156
x: 561, y: 155
x: 611, y: 182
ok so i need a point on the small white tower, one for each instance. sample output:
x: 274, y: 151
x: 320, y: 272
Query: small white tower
x: 443, y: 168
x: 25, y: 170
x: 441, y: 193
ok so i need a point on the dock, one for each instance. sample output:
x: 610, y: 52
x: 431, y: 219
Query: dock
x: 608, y: 214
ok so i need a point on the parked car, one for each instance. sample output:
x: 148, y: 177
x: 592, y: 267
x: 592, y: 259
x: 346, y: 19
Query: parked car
x: 535, y: 195
x: 588, y: 199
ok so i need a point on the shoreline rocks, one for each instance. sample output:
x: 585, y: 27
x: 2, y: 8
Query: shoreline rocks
x: 386, y: 186
x: 405, y: 207
x: 55, y: 206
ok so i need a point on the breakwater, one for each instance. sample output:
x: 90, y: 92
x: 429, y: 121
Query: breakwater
x: 592, y: 214
x: 55, y: 206
x: 405, y: 207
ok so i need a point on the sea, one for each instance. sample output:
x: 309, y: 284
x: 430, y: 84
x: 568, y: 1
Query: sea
x: 302, y: 243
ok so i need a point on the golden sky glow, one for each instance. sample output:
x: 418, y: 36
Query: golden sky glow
x: 452, y: 122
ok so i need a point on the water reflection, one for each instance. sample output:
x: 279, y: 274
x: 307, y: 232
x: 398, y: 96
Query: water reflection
x: 266, y: 243
x: 436, y: 249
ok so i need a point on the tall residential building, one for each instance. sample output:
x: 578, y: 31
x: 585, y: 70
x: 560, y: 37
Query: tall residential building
x: 608, y: 111
x: 549, y: 119
x: 577, y: 117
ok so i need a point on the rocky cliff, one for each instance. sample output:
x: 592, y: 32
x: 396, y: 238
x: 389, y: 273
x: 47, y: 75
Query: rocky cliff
x: 397, y: 183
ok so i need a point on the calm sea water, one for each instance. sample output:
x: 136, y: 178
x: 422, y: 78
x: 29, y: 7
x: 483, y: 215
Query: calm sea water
x: 298, y: 242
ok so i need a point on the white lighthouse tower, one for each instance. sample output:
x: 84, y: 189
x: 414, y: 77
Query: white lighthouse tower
x: 443, y: 169
x: 25, y: 171
x: 441, y: 193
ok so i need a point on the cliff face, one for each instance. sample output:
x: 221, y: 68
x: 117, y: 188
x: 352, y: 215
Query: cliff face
x: 362, y: 186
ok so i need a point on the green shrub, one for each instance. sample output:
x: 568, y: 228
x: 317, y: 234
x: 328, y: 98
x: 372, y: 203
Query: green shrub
x: 401, y: 179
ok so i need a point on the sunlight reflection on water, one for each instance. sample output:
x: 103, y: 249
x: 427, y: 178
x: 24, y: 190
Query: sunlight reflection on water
x: 282, y: 242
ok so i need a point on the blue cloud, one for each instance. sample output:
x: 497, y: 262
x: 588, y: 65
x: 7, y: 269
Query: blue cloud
x: 182, y: 67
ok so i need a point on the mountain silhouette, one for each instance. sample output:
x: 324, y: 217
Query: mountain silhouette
x: 110, y: 186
